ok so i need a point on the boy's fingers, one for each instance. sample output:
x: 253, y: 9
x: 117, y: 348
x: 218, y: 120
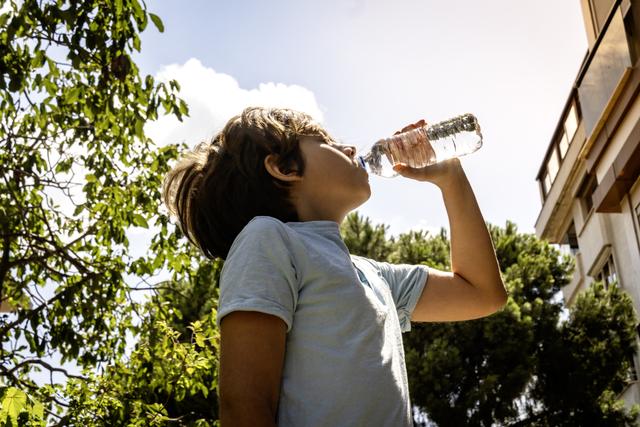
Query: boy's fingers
x: 419, y: 174
x: 415, y: 125
x: 404, y: 170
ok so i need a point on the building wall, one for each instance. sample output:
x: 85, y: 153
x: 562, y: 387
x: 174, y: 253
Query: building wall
x: 618, y: 139
x: 624, y: 226
x: 602, y: 233
x: 599, y: 234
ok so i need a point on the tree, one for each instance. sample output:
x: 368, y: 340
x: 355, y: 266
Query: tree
x: 598, y: 341
x: 482, y: 366
x: 77, y: 172
x: 521, y: 366
x: 514, y: 366
x: 364, y: 239
x: 172, y: 374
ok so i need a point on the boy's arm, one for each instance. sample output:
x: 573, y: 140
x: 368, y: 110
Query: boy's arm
x: 474, y: 287
x: 251, y: 358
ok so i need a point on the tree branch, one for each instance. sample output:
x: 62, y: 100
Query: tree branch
x: 46, y: 365
x: 26, y: 315
x: 4, y: 262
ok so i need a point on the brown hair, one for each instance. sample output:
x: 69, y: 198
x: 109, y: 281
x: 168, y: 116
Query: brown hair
x: 219, y: 186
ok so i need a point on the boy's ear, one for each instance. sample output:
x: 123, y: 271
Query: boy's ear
x: 271, y: 164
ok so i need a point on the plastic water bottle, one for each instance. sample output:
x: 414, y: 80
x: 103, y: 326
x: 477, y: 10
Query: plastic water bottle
x: 424, y: 146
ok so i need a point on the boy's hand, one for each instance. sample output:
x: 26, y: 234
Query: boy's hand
x: 442, y: 174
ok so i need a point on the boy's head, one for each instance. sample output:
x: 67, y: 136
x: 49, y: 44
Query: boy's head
x: 265, y: 161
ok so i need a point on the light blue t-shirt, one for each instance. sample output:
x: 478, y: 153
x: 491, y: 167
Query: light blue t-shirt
x: 344, y: 360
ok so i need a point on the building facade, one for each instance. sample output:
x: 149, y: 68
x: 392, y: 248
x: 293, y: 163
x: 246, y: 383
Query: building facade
x: 588, y: 180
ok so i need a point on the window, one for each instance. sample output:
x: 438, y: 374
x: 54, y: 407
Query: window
x: 553, y: 165
x: 600, y: 12
x: 564, y: 144
x: 571, y: 122
x: 607, y: 274
x: 547, y: 183
x: 559, y: 148
x: 638, y: 213
x: 585, y: 193
x: 569, y: 130
x: 569, y: 243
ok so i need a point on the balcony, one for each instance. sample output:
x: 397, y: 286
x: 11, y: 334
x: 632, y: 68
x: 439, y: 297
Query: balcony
x: 604, y: 74
x: 605, y: 87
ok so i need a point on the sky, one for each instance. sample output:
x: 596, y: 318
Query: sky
x: 365, y: 69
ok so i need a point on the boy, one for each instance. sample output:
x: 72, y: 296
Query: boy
x: 310, y: 335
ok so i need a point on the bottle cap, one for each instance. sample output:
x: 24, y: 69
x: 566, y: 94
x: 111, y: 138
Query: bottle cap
x: 361, y: 162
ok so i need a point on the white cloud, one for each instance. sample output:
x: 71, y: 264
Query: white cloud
x: 214, y: 97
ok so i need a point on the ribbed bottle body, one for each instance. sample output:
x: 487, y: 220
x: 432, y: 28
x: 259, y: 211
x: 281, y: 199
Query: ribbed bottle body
x: 424, y: 146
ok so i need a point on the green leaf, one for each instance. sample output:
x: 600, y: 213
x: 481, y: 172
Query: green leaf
x: 15, y: 84
x: 4, y: 18
x: 73, y: 95
x: 140, y: 221
x: 138, y: 128
x: 136, y: 43
x: 38, y: 410
x: 199, y: 340
x: 64, y: 165
x: 38, y: 60
x: 13, y: 402
x: 157, y: 22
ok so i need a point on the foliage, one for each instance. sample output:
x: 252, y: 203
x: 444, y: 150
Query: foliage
x: 522, y: 365
x: 364, y: 239
x: 19, y: 409
x: 77, y: 173
x: 169, y: 378
x: 417, y: 247
x: 599, y: 342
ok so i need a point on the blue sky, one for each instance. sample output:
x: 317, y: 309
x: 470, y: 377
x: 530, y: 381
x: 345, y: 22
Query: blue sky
x: 367, y: 68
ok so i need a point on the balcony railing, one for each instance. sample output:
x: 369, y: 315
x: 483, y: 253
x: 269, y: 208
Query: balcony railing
x: 604, y: 72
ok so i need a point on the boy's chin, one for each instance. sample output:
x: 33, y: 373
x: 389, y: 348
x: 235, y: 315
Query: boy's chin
x: 363, y: 199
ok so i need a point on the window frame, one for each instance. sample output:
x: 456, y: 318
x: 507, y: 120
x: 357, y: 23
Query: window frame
x: 575, y: 119
x: 595, y: 17
x: 585, y: 193
x: 608, y: 273
x: 555, y: 156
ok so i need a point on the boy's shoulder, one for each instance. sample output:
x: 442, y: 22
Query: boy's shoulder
x: 260, y: 235
x: 260, y: 224
x: 264, y: 219
x: 264, y: 228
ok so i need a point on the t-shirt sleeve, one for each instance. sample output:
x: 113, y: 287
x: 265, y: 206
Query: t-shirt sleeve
x: 406, y: 282
x: 259, y: 273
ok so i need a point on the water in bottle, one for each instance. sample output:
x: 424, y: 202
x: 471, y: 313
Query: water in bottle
x: 424, y: 146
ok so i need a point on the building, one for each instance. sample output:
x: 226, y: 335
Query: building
x: 589, y: 176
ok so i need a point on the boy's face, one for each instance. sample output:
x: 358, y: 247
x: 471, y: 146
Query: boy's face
x: 333, y: 183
